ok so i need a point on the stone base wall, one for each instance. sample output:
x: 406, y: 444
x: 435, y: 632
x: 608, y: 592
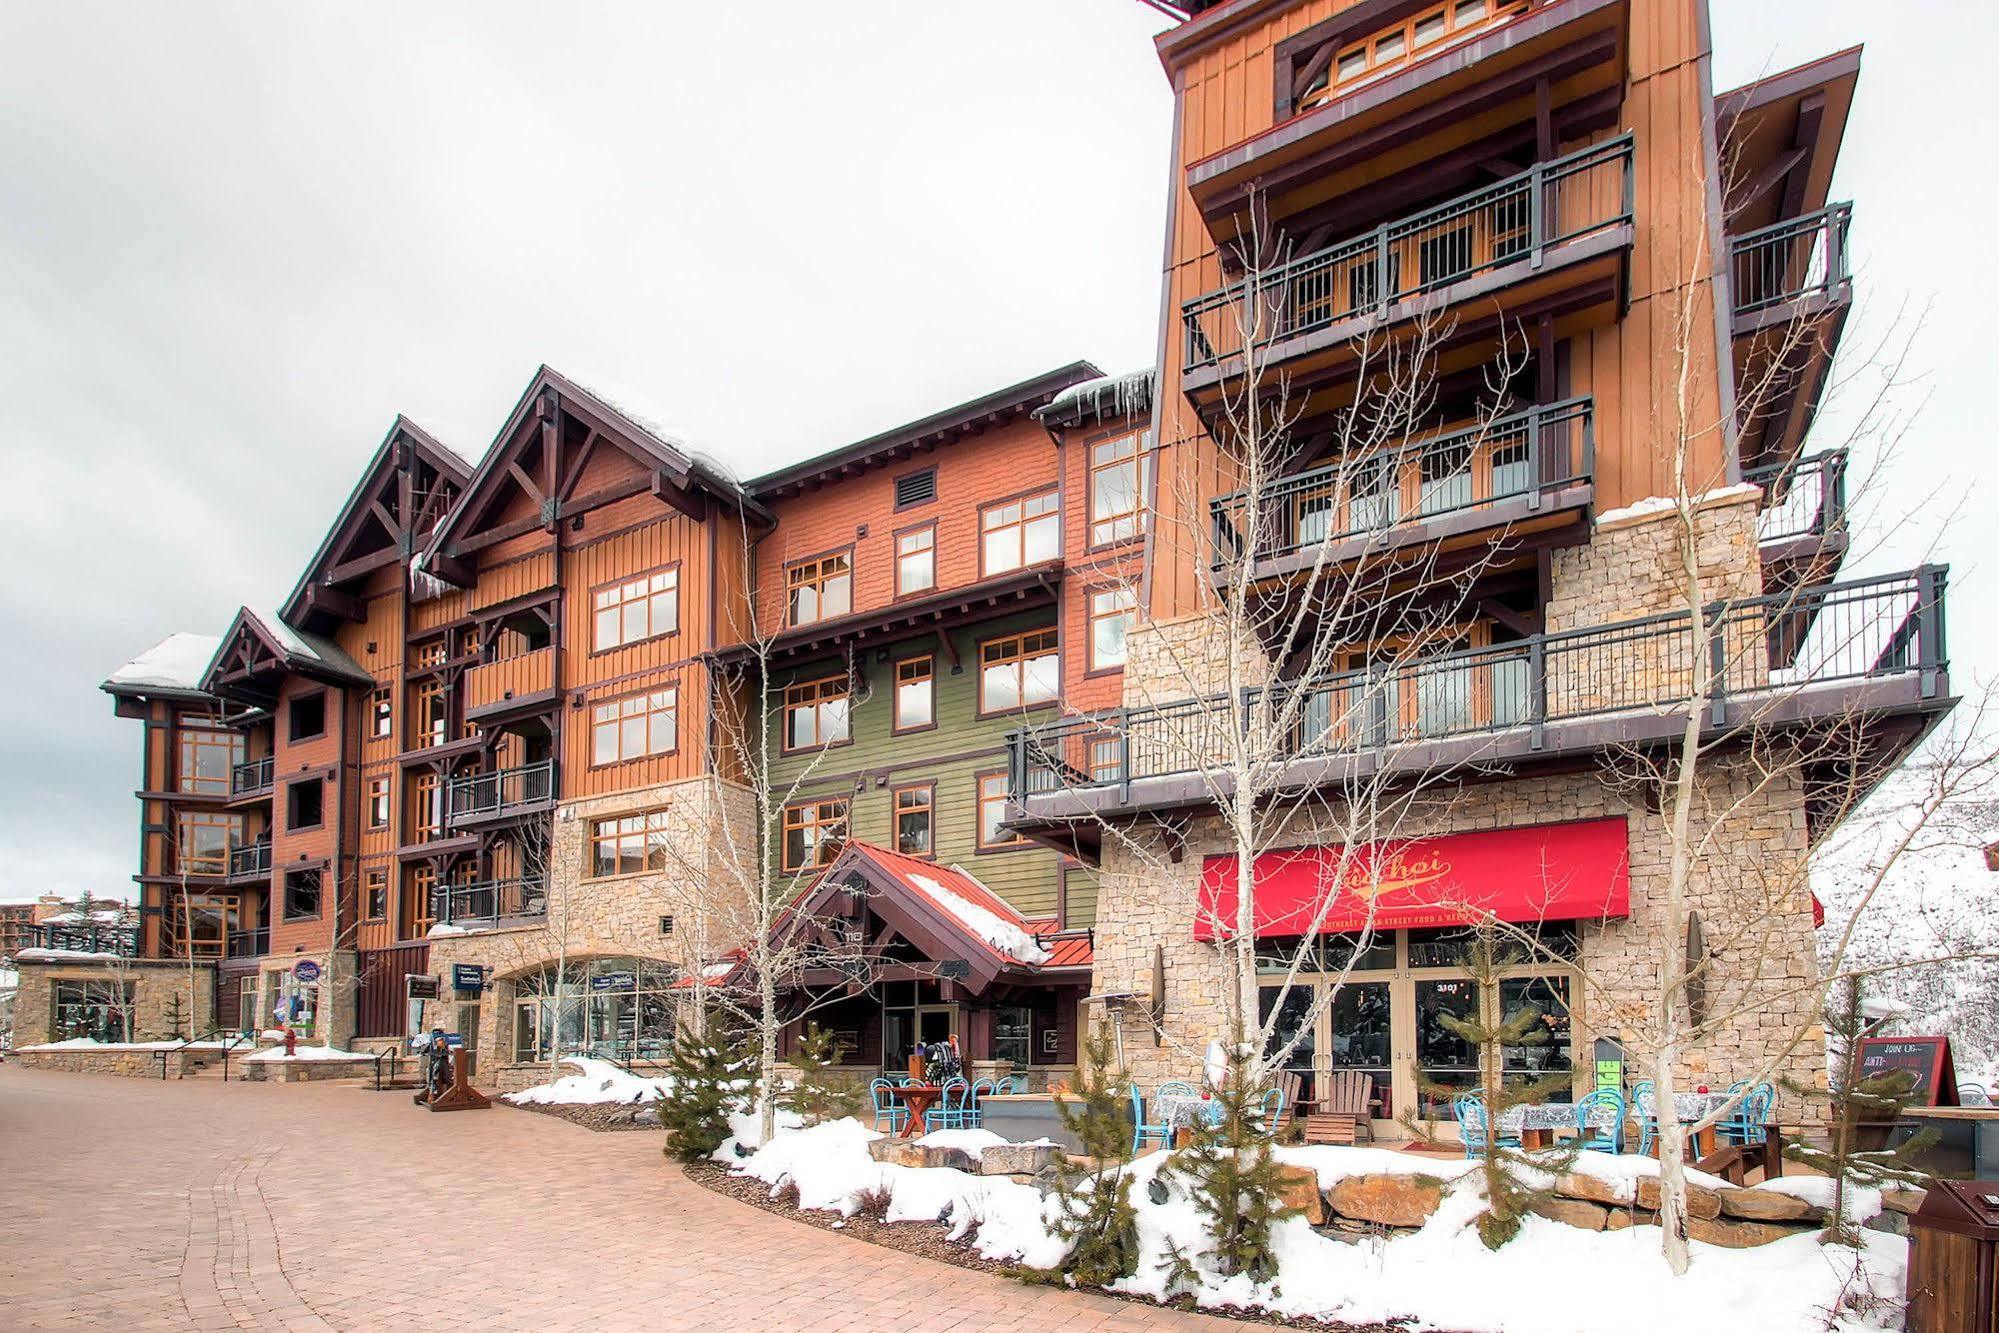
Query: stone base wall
x: 155, y: 983
x: 124, y: 1064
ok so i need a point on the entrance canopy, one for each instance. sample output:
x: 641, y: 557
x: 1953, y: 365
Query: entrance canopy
x: 1549, y: 872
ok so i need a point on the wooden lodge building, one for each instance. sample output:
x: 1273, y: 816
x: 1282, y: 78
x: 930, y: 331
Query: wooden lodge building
x: 488, y: 735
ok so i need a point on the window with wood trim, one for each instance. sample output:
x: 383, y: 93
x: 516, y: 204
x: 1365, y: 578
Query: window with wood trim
x: 205, y: 840
x: 419, y: 906
x: 302, y: 893
x: 205, y: 922
x: 635, y: 727
x: 1019, y: 533
x: 207, y: 755
x: 992, y: 812
x: 381, y: 712
x: 306, y: 716
x: 1424, y: 33
x: 1106, y: 760
x: 915, y: 693
x: 426, y: 808
x: 1120, y: 477
x: 814, y: 833
x: 428, y: 714
x: 305, y: 804
x: 432, y: 654
x: 817, y: 712
x: 916, y: 560
x: 914, y: 817
x: 821, y: 589
x: 375, y: 895
x: 1112, y: 612
x: 1018, y: 671
x: 378, y: 803
x: 628, y: 844
x: 640, y: 608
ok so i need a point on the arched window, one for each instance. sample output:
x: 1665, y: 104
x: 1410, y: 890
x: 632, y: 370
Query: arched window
x: 615, y: 1008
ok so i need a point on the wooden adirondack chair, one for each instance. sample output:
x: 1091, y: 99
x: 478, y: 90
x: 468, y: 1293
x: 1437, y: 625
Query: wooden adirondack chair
x: 1346, y: 1113
x: 1288, y: 1083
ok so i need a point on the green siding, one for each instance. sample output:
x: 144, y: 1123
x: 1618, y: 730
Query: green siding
x: 952, y: 756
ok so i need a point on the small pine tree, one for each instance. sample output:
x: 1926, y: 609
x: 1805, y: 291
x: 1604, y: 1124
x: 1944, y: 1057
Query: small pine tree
x: 1857, y: 1102
x: 1509, y: 1195
x: 1235, y: 1181
x: 1095, y: 1214
x: 172, y: 1015
x: 819, y: 1094
x: 707, y: 1085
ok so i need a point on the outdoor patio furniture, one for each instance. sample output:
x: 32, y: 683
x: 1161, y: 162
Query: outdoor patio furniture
x: 1290, y: 1085
x: 1973, y: 1094
x: 1688, y: 1107
x: 1346, y: 1113
x: 1749, y: 1123
x: 1143, y: 1133
x: 880, y: 1091
x: 1010, y: 1085
x: 1474, y: 1125
x: 1600, y: 1121
x: 953, y: 1109
x: 1271, y: 1110
x: 1176, y: 1087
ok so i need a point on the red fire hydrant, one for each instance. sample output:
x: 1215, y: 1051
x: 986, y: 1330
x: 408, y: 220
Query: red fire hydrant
x: 291, y: 1042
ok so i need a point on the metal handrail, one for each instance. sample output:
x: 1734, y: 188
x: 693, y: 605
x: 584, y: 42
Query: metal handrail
x: 122, y: 941
x: 502, y: 790
x: 1524, y: 454
x: 1520, y: 217
x: 250, y: 858
x: 254, y: 943
x: 229, y: 1043
x: 489, y: 901
x: 1890, y: 626
x: 1790, y: 260
x: 1805, y: 497
x: 252, y: 775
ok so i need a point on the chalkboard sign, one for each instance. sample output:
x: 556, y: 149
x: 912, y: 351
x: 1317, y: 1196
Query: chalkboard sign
x: 1928, y: 1058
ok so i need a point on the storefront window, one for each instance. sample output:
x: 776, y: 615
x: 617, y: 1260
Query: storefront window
x: 1359, y: 1017
x: 1548, y: 999
x: 1013, y: 1034
x: 94, y: 1009
x: 1445, y: 1061
x: 616, y: 1008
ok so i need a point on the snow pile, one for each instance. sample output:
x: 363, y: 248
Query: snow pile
x: 1106, y: 395
x: 177, y: 662
x: 1551, y: 1279
x: 92, y: 1044
x: 1653, y: 505
x: 276, y: 1055
x: 1009, y: 938
x: 36, y: 953
x: 595, y: 1082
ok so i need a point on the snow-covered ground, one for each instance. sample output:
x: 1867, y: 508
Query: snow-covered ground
x: 1551, y: 1279
x: 92, y: 1044
x: 276, y: 1055
x: 594, y: 1081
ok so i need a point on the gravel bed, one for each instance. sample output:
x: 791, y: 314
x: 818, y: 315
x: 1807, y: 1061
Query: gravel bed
x: 603, y: 1117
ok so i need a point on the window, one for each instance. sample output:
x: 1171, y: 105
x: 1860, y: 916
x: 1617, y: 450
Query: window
x: 378, y: 803
x: 632, y: 728
x: 628, y: 844
x: 1111, y: 613
x: 993, y: 832
x: 1020, y: 533
x: 916, y: 560
x: 646, y: 607
x: 419, y: 902
x: 101, y: 1010
x: 426, y: 808
x: 207, y: 756
x: 205, y: 840
x: 375, y: 897
x: 915, y: 488
x: 203, y: 924
x: 1107, y: 760
x: 913, y: 811
x: 301, y: 895
x: 427, y: 714
x: 1018, y: 671
x: 308, y: 716
x: 816, y: 713
x: 1013, y: 1031
x: 613, y: 1008
x: 915, y: 693
x: 381, y: 713
x: 1120, y: 475
x: 814, y: 832
x: 820, y: 589
x: 432, y: 654
x: 305, y: 804
x: 1415, y: 36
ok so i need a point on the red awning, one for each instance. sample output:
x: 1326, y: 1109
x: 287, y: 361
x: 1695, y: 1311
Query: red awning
x: 1550, y: 872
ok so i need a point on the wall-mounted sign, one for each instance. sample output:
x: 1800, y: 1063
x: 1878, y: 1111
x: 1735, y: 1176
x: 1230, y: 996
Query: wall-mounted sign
x: 1049, y: 1036
x: 468, y: 978
x: 422, y: 985
x: 614, y: 981
x: 306, y: 970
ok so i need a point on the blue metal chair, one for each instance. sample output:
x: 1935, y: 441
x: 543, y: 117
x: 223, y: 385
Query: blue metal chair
x: 1141, y: 1132
x: 1474, y: 1125
x: 1011, y: 1085
x: 886, y: 1108
x: 953, y: 1107
x: 1647, y: 1115
x: 1749, y: 1124
x: 1270, y: 1114
x: 974, y: 1112
x: 1177, y: 1087
x: 1600, y: 1121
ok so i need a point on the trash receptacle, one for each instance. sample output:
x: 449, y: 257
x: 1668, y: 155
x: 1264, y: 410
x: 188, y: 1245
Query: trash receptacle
x: 1953, y: 1251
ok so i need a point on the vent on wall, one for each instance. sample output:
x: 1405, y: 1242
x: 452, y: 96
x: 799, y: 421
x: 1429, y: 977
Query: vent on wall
x: 666, y: 925
x: 915, y: 488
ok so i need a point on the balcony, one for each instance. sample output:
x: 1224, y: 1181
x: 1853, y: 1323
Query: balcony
x: 252, y: 779
x: 122, y: 941
x: 1801, y: 530
x: 1871, y: 649
x: 511, y: 686
x: 486, y: 798
x: 1791, y: 292
x: 247, y: 943
x: 1556, y: 232
x: 250, y: 863
x: 1792, y: 269
x: 489, y: 903
x: 1520, y: 473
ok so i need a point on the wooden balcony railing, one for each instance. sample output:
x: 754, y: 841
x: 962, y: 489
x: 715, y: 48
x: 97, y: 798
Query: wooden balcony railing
x: 1795, y: 260
x: 503, y: 792
x: 1804, y: 498
x: 1518, y: 218
x: 1526, y: 456
x: 1871, y: 629
x: 489, y: 902
x: 493, y: 683
x: 254, y: 775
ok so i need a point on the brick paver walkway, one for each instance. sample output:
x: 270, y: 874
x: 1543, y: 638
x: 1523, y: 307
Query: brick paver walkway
x: 194, y: 1204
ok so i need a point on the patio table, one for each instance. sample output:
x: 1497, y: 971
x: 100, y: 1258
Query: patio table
x: 1687, y: 1108
x: 918, y: 1097
x: 1536, y: 1123
x: 1180, y: 1113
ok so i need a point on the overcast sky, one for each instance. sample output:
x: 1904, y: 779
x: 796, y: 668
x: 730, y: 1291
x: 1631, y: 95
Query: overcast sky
x: 237, y: 239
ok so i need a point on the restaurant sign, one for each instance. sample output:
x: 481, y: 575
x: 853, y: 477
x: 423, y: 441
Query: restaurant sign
x: 1548, y: 872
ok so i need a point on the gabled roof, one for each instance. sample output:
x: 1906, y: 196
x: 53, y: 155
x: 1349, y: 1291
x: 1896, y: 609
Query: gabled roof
x: 1781, y: 137
x: 939, y: 428
x: 173, y: 668
x: 379, y: 524
x: 259, y: 647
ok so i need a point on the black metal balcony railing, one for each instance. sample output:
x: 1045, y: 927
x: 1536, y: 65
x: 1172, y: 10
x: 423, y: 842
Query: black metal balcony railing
x: 1868, y: 629
x: 1803, y: 498
x: 502, y: 791
x: 248, y: 943
x: 1525, y: 455
x: 1521, y: 217
x: 1790, y: 261
x: 250, y: 860
x: 122, y: 941
x: 252, y: 775
x: 488, y: 902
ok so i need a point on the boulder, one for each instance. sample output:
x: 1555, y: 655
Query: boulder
x: 1768, y: 1206
x: 1592, y: 1189
x: 1018, y: 1159
x: 1618, y: 1219
x: 1702, y: 1202
x: 1737, y: 1235
x: 903, y: 1152
x: 1571, y: 1213
x: 1389, y: 1201
x: 1298, y: 1187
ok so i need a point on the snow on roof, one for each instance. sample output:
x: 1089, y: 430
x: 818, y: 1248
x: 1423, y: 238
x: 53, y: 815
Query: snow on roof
x: 1107, y: 395
x: 177, y: 662
x: 311, y: 647
x: 632, y: 407
x: 1011, y: 938
x: 450, y: 436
